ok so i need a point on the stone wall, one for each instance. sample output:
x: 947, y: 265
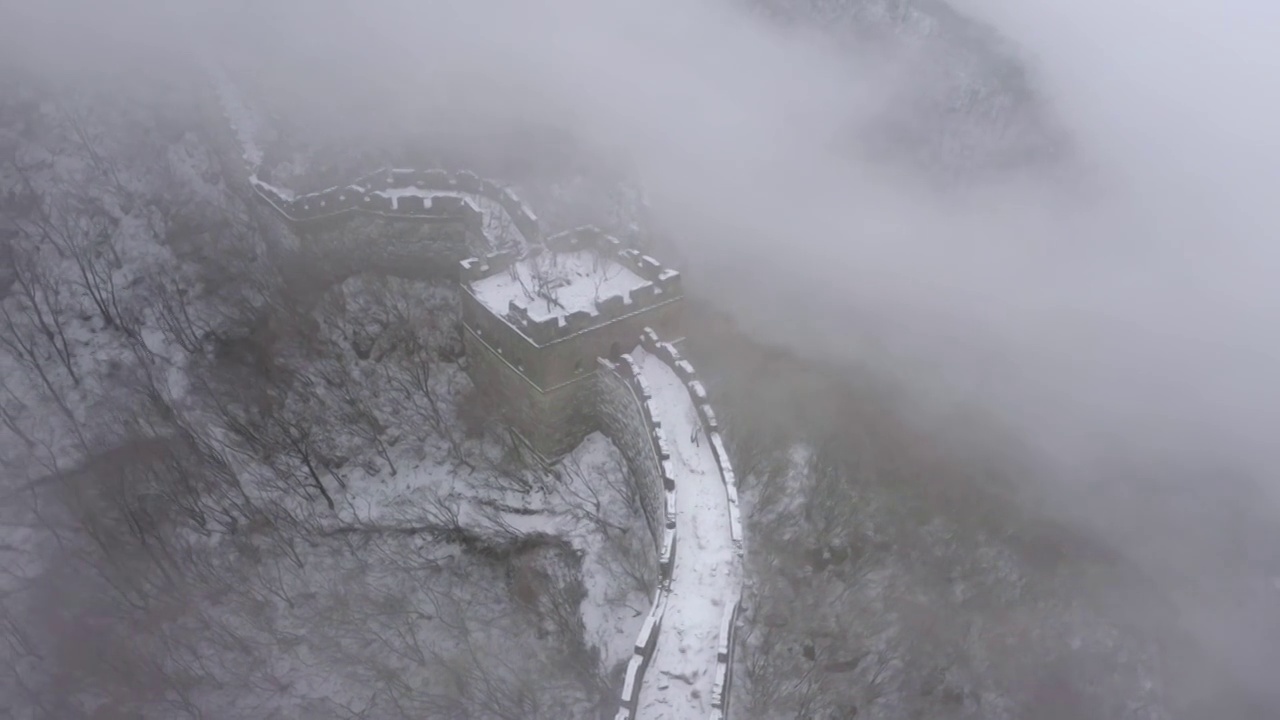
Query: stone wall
x: 625, y: 415
x: 667, y: 352
x: 625, y: 418
x: 363, y: 195
x: 550, y: 422
x: 567, y: 358
x: 638, y: 664
x: 539, y: 376
x: 660, y: 286
x: 390, y: 246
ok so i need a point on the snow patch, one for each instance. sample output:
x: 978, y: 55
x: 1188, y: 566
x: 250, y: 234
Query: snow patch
x: 555, y: 285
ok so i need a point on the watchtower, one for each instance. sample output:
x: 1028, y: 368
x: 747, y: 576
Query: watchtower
x: 534, y: 325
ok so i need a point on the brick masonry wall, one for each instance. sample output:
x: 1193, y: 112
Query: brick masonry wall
x: 551, y: 423
x: 623, y: 410
x: 622, y: 419
x: 361, y: 196
x: 393, y: 246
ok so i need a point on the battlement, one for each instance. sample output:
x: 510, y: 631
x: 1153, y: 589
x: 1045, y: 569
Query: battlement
x: 578, y: 280
x: 477, y: 268
x: 420, y: 194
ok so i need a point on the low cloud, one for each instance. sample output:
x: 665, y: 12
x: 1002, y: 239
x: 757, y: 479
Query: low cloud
x: 1116, y: 307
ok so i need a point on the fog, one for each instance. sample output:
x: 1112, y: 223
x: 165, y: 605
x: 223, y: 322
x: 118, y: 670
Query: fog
x: 1116, y: 309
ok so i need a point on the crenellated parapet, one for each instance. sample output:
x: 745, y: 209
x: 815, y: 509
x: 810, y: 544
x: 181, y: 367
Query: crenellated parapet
x: 723, y: 671
x: 649, y: 460
x: 592, y: 238
x: 625, y: 283
x: 698, y: 395
x: 627, y: 414
x: 476, y: 268
x: 638, y: 663
x: 428, y: 195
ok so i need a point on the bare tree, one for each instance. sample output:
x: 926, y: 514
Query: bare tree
x: 38, y: 315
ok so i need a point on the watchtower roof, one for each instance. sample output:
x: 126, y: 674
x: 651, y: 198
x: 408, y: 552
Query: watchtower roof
x: 580, y: 279
x: 555, y: 285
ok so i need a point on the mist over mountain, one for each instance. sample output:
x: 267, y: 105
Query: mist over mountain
x: 982, y: 291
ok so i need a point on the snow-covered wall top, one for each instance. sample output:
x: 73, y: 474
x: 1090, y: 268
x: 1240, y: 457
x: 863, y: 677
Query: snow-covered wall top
x: 623, y: 282
x: 426, y: 194
x: 695, y: 611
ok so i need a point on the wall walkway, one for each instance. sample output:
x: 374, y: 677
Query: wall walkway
x: 415, y: 194
x: 683, y: 662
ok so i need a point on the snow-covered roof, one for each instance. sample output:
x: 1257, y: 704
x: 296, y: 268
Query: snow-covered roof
x: 576, y: 280
x: 553, y: 285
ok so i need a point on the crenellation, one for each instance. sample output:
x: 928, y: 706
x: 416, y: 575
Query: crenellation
x: 650, y: 416
x: 447, y: 204
x: 578, y: 321
x: 612, y: 306
x: 643, y: 384
x: 684, y: 370
x: 668, y: 474
x: 474, y: 268
x: 369, y: 194
x: 708, y: 416
x: 605, y: 303
x: 411, y: 204
x: 467, y: 181
x: 660, y: 445
x: 667, y: 556
x: 628, y: 365
x: 517, y: 313
x: 670, y: 283
x: 649, y: 339
x: 646, y: 294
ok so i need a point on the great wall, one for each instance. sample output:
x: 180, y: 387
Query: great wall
x: 401, y: 193
x: 603, y: 367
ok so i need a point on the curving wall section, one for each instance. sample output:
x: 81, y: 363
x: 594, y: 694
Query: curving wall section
x: 627, y: 415
x: 723, y: 673
x: 624, y: 410
x: 415, y: 194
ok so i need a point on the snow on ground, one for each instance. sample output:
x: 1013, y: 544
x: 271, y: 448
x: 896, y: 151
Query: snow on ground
x: 707, y: 571
x: 430, y: 488
x: 554, y: 285
x: 615, y: 604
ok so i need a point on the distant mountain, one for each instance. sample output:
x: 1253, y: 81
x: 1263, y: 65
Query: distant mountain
x: 968, y: 105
